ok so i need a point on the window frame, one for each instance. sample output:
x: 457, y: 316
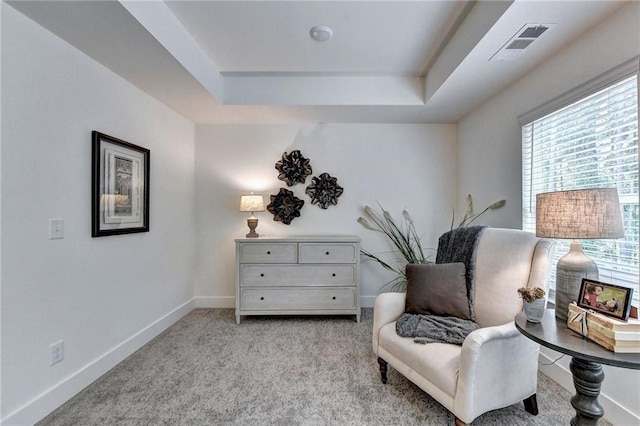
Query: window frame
x: 603, y: 81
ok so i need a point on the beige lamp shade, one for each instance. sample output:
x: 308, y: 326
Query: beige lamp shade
x: 251, y: 203
x: 579, y: 214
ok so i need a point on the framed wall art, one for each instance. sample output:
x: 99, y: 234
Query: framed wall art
x: 607, y: 299
x: 119, y: 187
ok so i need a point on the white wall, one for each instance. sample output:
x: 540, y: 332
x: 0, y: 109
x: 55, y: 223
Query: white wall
x: 107, y: 296
x: 489, y: 158
x: 399, y: 166
x: 104, y: 296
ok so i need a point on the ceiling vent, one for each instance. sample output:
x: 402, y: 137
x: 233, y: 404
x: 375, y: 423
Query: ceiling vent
x: 520, y: 41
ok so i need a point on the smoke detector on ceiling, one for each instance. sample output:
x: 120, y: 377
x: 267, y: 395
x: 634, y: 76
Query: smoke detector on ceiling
x: 514, y: 48
x: 321, y: 33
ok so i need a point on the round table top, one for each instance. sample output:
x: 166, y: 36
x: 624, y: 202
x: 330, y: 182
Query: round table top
x: 555, y: 334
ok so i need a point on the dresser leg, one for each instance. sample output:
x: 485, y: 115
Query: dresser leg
x: 587, y: 379
x: 238, y: 319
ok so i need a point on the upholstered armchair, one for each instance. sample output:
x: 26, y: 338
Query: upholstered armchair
x: 496, y: 366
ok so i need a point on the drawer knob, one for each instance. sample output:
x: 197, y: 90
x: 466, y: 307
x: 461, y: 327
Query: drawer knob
x: 262, y: 298
x: 333, y: 275
x: 334, y: 298
x: 327, y: 253
x: 268, y: 252
x: 262, y: 275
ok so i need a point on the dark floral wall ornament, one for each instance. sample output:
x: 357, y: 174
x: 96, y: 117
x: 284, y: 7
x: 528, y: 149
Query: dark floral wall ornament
x: 324, y: 190
x: 285, y: 206
x: 293, y: 168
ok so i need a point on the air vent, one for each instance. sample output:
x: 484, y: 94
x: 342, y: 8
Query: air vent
x: 513, y: 49
x: 519, y: 44
x: 533, y: 32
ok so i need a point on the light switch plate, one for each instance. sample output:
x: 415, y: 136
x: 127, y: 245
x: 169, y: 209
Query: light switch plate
x: 56, y: 229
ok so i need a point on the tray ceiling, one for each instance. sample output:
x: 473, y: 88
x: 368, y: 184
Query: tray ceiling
x: 254, y: 61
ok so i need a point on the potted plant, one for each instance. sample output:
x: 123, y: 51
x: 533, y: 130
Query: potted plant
x: 533, y: 301
x: 407, y: 247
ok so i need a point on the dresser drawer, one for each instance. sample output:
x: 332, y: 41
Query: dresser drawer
x: 340, y: 275
x: 297, y: 299
x: 328, y: 253
x: 268, y: 253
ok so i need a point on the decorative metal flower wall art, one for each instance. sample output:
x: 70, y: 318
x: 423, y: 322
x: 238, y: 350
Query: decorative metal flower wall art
x: 293, y: 168
x: 285, y: 206
x: 324, y: 190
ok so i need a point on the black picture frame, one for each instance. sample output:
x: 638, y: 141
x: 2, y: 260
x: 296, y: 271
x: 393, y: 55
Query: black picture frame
x: 119, y: 186
x: 610, y: 300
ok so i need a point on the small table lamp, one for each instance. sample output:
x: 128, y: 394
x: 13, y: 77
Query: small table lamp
x: 578, y: 214
x: 252, y: 203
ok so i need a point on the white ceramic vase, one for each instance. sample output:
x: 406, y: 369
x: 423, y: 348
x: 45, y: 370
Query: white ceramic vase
x: 535, y: 310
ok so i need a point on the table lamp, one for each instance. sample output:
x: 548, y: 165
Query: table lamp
x: 578, y: 214
x: 252, y: 203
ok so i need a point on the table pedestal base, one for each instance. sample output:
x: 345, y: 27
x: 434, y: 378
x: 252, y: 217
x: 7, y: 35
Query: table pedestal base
x: 587, y: 379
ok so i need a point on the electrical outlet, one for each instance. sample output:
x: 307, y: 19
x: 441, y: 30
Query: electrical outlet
x: 57, y: 352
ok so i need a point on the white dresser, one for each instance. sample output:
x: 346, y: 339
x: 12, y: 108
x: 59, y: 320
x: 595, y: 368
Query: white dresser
x: 298, y: 275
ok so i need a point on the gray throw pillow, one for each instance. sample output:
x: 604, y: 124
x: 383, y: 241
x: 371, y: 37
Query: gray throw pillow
x: 437, y: 289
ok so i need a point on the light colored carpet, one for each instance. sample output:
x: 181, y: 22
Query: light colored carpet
x: 206, y: 370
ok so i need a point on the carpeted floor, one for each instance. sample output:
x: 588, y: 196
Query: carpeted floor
x: 206, y: 370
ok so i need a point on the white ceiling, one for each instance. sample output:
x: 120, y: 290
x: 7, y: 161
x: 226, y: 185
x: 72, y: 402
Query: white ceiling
x: 370, y: 37
x: 254, y: 62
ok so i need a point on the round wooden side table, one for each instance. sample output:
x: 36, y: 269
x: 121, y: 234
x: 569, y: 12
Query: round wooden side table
x: 586, y: 362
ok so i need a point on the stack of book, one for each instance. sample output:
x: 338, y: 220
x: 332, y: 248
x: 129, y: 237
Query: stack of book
x: 610, y: 333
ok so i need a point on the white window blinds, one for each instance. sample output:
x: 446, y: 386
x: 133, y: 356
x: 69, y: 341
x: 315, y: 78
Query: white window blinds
x: 590, y: 143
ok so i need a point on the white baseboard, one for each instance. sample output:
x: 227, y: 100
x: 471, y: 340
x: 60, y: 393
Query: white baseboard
x: 215, y: 302
x: 613, y: 411
x: 367, y: 301
x: 39, y: 407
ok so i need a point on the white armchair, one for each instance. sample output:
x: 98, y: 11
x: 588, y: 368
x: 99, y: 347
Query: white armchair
x: 496, y: 366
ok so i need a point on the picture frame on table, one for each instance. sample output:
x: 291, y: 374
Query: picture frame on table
x: 119, y: 186
x: 607, y: 299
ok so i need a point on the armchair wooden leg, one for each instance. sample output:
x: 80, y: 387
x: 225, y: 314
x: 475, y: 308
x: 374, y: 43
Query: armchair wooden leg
x: 460, y: 422
x: 531, y: 404
x: 383, y: 370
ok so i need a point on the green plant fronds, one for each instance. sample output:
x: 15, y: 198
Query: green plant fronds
x: 403, y: 236
x: 404, y: 239
x: 469, y: 217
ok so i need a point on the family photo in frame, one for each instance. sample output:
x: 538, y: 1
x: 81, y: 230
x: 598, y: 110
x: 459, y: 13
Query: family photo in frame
x: 607, y: 299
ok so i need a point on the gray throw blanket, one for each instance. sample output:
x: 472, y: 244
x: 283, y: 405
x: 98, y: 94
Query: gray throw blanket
x: 457, y: 245
x: 432, y: 328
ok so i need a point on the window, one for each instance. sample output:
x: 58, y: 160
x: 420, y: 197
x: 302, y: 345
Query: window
x: 588, y: 138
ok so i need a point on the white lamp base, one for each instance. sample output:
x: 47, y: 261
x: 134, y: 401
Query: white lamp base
x: 570, y: 271
x: 252, y: 222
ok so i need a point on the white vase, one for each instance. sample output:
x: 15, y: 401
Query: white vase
x: 534, y: 310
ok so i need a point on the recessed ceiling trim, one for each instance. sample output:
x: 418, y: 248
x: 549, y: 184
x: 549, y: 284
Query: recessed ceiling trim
x: 459, y: 78
x: 478, y: 21
x: 289, y: 90
x: 162, y: 24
